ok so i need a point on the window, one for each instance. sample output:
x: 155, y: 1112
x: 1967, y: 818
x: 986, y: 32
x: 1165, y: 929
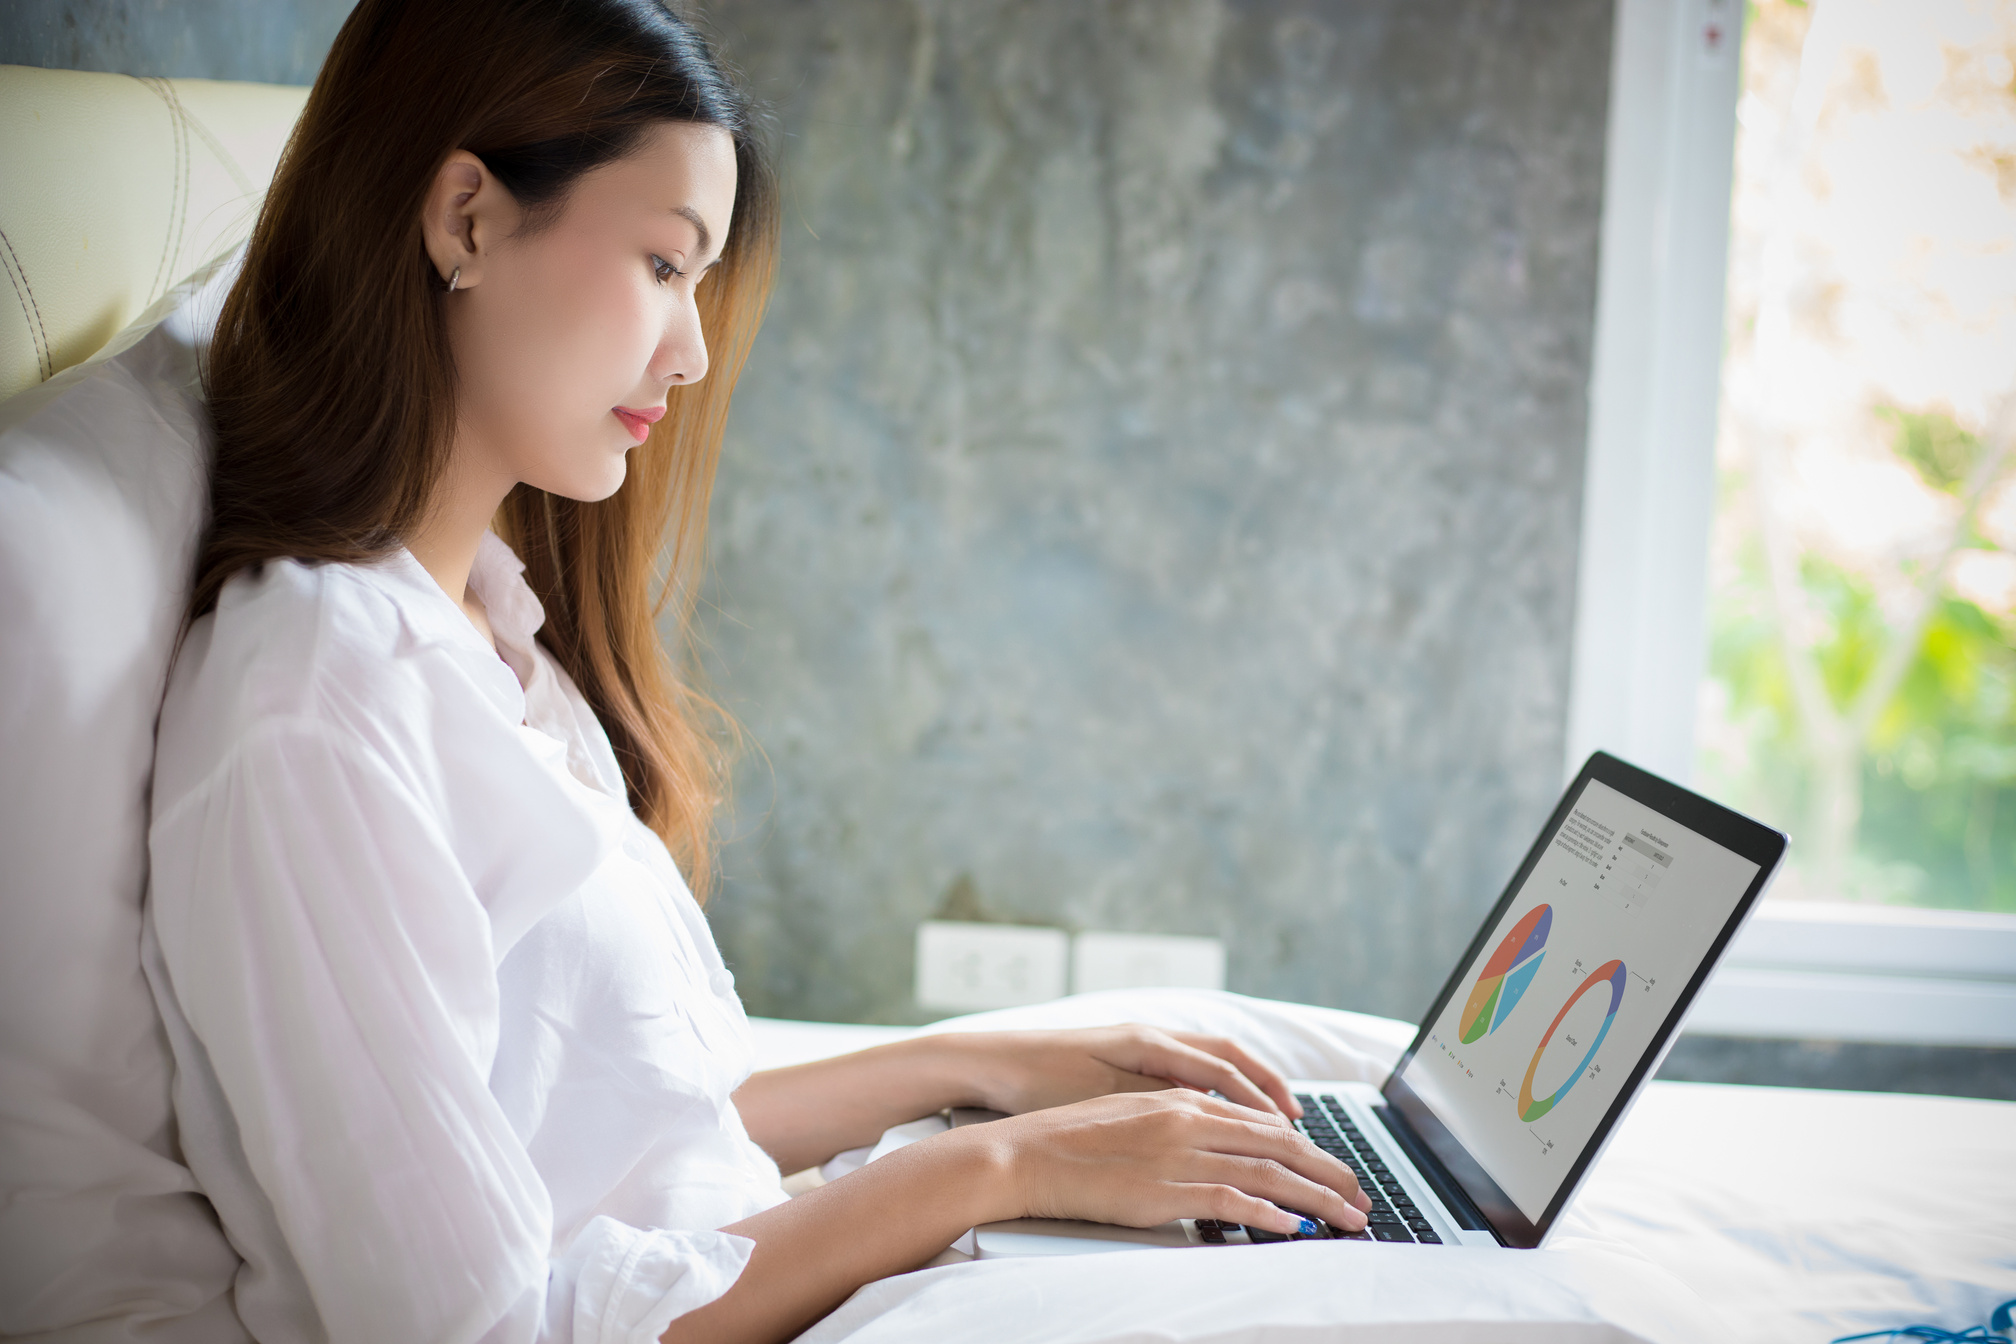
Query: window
x: 1862, y: 679
x: 1892, y: 495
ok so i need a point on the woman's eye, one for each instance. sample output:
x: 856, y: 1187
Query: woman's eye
x: 664, y: 269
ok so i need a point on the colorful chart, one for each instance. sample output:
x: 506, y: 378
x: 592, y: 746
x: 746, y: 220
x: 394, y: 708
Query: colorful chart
x: 1505, y: 977
x: 1611, y: 973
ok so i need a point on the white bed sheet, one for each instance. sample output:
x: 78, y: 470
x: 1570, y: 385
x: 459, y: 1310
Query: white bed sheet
x: 1728, y: 1213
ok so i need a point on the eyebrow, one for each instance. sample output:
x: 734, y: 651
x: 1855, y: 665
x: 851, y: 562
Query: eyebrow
x: 692, y: 216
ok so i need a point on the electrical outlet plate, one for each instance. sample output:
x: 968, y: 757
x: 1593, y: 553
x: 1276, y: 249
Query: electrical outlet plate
x: 1142, y: 961
x: 970, y: 966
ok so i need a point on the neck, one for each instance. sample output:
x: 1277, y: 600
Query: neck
x: 446, y: 541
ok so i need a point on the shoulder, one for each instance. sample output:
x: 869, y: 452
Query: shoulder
x: 350, y: 650
x: 338, y: 720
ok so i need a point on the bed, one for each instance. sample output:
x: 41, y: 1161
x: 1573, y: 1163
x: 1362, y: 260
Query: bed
x: 1749, y: 1214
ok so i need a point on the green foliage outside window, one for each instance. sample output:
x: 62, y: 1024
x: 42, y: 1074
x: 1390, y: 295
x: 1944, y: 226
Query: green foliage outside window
x: 1937, y: 767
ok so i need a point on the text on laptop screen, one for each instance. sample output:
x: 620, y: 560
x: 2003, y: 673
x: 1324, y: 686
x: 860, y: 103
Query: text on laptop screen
x: 1571, y: 987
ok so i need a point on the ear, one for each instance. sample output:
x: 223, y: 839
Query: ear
x: 467, y: 212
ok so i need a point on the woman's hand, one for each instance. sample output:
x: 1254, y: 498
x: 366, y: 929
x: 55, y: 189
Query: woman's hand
x: 1136, y: 1158
x: 804, y: 1114
x: 1147, y: 1157
x: 1020, y: 1071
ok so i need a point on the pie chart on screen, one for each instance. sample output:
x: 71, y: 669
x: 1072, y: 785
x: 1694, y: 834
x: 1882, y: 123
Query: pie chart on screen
x: 1610, y: 975
x: 1502, y: 982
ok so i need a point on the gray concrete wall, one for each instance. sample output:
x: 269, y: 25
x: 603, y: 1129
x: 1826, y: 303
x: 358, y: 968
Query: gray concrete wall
x: 1154, y: 497
x: 270, y: 41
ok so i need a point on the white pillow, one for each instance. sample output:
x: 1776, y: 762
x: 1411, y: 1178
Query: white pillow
x: 1309, y: 1292
x: 103, y: 1232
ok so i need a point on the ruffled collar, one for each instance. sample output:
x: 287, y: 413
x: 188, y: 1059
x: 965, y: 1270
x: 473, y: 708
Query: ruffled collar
x: 498, y: 579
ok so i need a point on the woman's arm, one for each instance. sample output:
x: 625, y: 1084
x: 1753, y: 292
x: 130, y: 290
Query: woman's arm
x: 332, y: 971
x: 1137, y: 1159
x: 804, y: 1114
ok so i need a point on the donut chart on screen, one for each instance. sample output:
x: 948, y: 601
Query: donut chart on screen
x: 1504, y: 978
x: 1611, y: 973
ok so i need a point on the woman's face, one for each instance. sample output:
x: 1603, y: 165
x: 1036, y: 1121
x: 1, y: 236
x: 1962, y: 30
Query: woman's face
x: 565, y: 338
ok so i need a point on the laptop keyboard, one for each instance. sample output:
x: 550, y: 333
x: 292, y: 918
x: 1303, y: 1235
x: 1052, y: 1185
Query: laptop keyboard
x: 1394, y: 1215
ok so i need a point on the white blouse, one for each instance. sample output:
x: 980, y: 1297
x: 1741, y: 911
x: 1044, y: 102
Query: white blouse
x: 454, y: 1045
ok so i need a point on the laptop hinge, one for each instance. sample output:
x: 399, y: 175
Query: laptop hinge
x: 1461, y: 1208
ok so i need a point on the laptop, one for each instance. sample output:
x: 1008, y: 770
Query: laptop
x: 1563, y: 1005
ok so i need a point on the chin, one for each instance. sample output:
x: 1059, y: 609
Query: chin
x: 596, y: 491
x: 590, y: 476
x: 584, y: 488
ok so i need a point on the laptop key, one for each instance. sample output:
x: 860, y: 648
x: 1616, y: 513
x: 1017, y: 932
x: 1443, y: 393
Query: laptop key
x: 1212, y: 1235
x: 1427, y: 1238
x: 1390, y: 1232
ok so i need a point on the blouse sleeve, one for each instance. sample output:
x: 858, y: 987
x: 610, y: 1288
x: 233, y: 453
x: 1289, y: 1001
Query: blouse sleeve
x: 329, y: 953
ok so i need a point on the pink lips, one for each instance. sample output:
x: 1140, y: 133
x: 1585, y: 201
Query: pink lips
x: 639, y: 422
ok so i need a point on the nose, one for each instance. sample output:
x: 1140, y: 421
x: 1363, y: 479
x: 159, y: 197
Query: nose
x: 682, y: 350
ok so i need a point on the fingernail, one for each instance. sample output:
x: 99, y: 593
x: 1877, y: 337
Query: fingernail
x: 1308, y: 1228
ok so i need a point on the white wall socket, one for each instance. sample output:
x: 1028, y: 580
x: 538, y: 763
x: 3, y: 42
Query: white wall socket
x: 969, y: 966
x: 1142, y: 960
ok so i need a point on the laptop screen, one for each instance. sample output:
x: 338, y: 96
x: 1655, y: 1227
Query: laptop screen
x: 1573, y: 986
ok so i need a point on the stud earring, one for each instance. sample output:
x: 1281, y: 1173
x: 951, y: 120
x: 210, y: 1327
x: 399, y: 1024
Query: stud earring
x: 453, y: 278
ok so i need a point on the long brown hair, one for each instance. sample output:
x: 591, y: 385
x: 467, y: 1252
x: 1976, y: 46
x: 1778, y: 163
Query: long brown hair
x: 331, y: 382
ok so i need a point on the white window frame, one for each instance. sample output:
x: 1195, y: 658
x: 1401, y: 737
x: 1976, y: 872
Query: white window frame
x: 1800, y: 970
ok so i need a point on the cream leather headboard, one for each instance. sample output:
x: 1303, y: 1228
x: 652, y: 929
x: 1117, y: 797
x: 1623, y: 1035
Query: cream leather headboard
x: 111, y: 190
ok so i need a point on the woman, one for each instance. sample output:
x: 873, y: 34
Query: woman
x: 458, y: 1057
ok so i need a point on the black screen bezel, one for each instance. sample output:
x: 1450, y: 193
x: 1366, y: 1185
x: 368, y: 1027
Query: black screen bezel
x: 1733, y: 831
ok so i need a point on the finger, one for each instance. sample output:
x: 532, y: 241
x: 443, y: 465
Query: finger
x: 1192, y: 1067
x: 1222, y: 1108
x: 1126, y: 1080
x: 1280, y: 1185
x: 1231, y: 1136
x: 1267, y: 1079
x: 1232, y: 1205
x: 1120, y: 1080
